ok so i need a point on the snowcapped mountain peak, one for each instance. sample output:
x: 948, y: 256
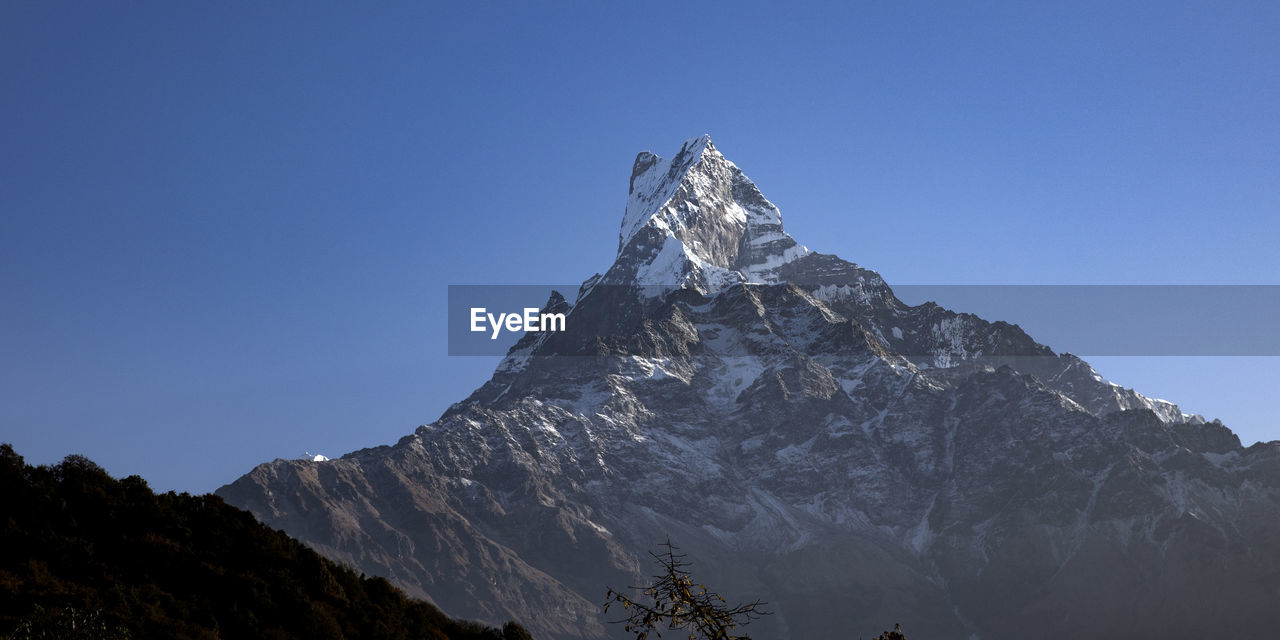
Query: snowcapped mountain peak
x: 813, y: 438
x: 696, y: 220
x: 654, y: 180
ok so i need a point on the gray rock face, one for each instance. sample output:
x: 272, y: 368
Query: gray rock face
x: 809, y: 440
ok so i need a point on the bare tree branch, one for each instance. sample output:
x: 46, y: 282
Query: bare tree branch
x: 677, y: 603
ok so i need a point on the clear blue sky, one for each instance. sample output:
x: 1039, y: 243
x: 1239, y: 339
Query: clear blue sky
x: 226, y: 229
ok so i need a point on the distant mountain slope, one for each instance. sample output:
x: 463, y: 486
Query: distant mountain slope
x: 810, y: 440
x: 77, y: 546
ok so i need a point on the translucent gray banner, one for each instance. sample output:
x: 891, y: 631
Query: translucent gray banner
x: 1097, y: 320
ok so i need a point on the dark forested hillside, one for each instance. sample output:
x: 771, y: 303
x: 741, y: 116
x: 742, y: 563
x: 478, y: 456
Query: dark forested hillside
x: 114, y: 560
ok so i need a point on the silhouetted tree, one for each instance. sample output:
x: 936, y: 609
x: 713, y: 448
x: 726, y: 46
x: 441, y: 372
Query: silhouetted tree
x: 896, y: 634
x: 675, y: 602
x: 513, y: 631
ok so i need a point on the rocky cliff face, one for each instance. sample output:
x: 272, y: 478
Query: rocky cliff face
x: 810, y: 440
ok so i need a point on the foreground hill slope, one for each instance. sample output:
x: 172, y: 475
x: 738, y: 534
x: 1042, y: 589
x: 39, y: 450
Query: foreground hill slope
x: 114, y: 560
x: 810, y: 440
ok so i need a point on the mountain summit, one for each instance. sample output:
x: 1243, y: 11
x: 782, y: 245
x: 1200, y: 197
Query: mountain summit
x: 811, y: 441
x: 696, y: 220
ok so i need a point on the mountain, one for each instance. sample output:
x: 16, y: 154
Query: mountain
x: 809, y: 440
x: 83, y: 555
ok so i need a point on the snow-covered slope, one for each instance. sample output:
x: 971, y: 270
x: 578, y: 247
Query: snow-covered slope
x: 809, y: 440
x: 697, y: 221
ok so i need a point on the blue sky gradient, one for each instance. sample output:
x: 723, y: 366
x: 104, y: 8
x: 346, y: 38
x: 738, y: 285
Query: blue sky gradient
x: 227, y: 229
